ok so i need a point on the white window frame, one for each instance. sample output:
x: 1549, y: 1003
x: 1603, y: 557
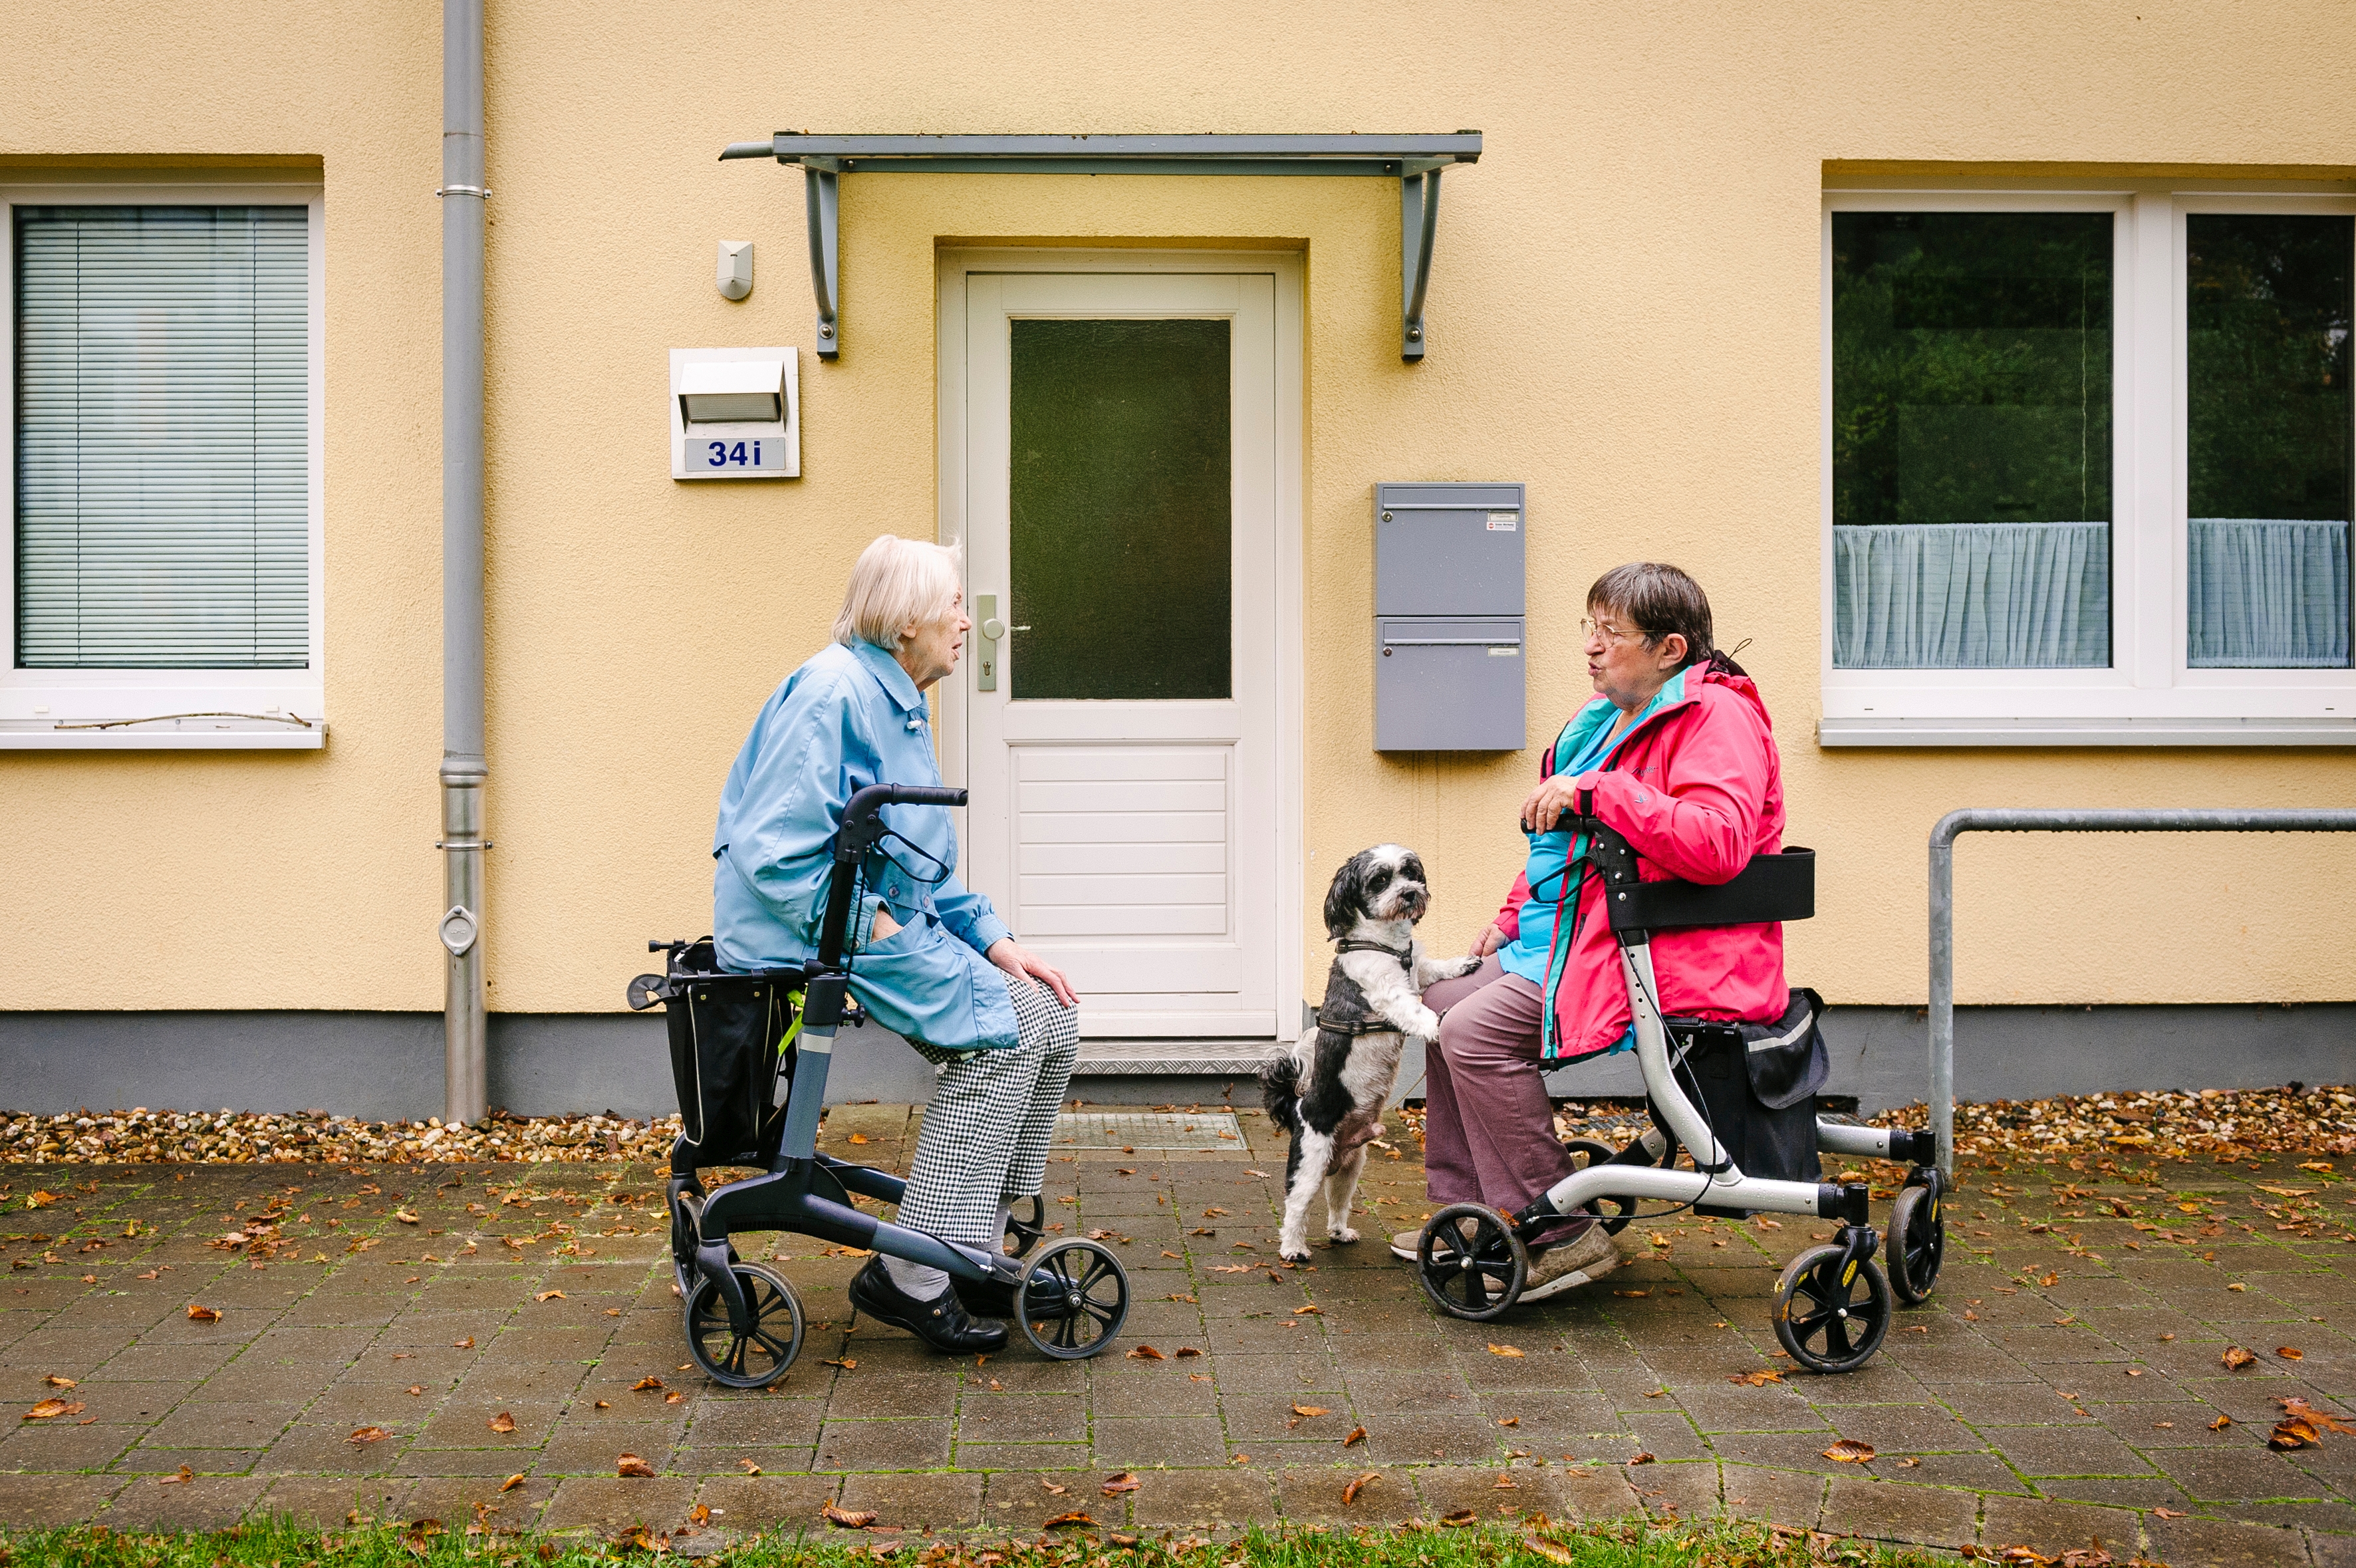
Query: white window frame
x: 234, y: 710
x: 2150, y: 695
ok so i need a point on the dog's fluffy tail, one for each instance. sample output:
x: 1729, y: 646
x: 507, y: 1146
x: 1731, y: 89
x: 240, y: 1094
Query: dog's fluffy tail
x: 1280, y: 1091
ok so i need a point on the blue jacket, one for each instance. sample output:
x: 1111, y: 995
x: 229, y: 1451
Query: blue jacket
x: 846, y: 718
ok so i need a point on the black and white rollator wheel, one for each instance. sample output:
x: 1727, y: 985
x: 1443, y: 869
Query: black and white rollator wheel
x: 1829, y: 1317
x: 1072, y: 1301
x: 753, y: 1360
x: 1918, y: 1242
x: 1022, y: 1234
x: 1472, y: 1265
x: 1585, y: 1154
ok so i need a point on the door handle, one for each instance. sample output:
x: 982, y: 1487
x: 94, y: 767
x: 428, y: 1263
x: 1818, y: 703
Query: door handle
x: 985, y: 611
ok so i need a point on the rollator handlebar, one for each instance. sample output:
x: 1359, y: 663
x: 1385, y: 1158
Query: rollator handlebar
x: 862, y: 829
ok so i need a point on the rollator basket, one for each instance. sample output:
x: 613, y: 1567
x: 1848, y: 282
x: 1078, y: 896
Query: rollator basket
x: 732, y: 1056
x: 1758, y: 1083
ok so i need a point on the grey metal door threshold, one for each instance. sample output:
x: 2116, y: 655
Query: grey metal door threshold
x: 1173, y: 1058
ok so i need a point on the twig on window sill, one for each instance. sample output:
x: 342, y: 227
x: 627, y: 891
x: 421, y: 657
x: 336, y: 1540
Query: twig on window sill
x: 160, y: 718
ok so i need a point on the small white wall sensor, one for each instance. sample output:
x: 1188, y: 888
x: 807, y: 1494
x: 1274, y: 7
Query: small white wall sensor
x: 735, y: 277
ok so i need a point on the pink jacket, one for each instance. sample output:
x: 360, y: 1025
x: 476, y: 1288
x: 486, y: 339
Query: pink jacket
x: 1697, y: 788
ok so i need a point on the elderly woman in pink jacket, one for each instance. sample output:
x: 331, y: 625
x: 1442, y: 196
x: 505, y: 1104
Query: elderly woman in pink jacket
x: 1679, y: 754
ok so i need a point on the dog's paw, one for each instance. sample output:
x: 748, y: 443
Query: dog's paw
x: 1468, y: 964
x: 1292, y: 1251
x: 1342, y: 1234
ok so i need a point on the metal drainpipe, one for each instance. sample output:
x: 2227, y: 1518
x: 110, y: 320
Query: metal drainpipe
x: 466, y: 1091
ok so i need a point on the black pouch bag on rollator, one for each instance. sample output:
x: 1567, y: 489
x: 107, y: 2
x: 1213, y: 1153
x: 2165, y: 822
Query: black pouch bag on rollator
x: 1757, y: 1085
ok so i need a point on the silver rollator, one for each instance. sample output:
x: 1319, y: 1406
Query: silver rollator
x: 749, y: 1057
x: 1831, y: 1303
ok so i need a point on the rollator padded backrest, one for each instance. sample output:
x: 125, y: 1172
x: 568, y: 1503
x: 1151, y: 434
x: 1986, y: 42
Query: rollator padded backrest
x: 1772, y: 887
x: 724, y: 1058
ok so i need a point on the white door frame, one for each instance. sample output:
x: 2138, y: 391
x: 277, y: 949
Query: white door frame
x: 951, y: 387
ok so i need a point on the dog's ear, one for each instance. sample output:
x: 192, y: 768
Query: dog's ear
x: 1345, y: 899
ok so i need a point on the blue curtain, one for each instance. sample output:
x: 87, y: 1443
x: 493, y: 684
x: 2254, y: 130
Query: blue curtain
x: 2267, y: 594
x: 1995, y: 595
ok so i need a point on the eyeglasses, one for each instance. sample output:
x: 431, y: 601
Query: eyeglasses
x: 1589, y: 627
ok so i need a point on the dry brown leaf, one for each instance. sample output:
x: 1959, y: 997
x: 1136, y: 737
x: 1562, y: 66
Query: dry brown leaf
x: 413, y: 1389
x: 1146, y: 1353
x: 1071, y: 1520
x: 550, y: 1295
x: 1185, y: 1350
x: 1504, y: 1350
x: 367, y: 1434
x: 1503, y: 1482
x: 1124, y: 1482
x: 503, y: 1423
x: 631, y: 1465
x: 2291, y: 1432
x: 512, y: 1482
x: 53, y: 1380
x: 674, y: 1397
x: 848, y: 1363
x: 699, y: 1515
x: 50, y: 1408
x: 405, y: 1216
x: 1509, y: 1420
x: 465, y: 1344
x: 858, y: 1137
x: 1758, y: 1380
x: 1849, y: 1451
x: 1460, y: 1520
x: 748, y: 1467
x: 2321, y: 1420
x: 2168, y: 1513
x: 1547, y: 1548
x: 1310, y: 1410
x: 2235, y: 1357
x: 184, y: 1474
x: 1632, y: 1294
x: 2220, y: 1423
x: 648, y: 1381
x: 1357, y: 1434
x: 2290, y: 1352
x: 1350, y: 1493
x: 1305, y: 1310
x: 1640, y: 1458
x: 202, y: 1313
x: 1050, y: 1485
x: 846, y: 1519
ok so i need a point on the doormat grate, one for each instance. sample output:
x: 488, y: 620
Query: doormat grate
x: 1148, y: 1130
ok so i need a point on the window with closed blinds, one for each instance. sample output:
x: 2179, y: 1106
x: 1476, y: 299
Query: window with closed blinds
x: 163, y: 437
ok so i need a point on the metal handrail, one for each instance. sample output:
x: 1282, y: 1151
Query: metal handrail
x: 2054, y: 820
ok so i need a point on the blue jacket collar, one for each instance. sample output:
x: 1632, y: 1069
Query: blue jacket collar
x: 894, y: 679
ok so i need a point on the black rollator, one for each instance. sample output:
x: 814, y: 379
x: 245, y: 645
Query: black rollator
x: 749, y: 1054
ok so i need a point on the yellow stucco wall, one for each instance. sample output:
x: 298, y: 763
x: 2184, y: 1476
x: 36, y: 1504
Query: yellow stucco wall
x: 1625, y: 314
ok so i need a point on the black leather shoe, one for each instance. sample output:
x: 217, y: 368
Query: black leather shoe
x: 943, y: 1322
x: 991, y: 1298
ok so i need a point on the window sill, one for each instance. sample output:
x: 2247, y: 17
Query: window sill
x: 1842, y: 733
x: 166, y: 736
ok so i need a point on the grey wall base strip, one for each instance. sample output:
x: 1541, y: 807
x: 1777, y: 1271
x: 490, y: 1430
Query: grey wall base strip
x: 386, y: 1065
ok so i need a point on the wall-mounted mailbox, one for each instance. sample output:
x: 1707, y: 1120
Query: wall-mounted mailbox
x: 735, y: 414
x: 1449, y: 617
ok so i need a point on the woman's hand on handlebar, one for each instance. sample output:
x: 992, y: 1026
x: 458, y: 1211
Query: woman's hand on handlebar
x: 1020, y: 964
x: 1552, y: 799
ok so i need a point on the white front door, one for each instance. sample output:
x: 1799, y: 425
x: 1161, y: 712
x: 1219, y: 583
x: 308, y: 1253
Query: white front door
x: 1116, y: 460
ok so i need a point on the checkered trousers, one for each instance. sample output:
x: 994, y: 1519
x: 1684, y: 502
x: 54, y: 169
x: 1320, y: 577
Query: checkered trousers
x: 984, y: 1137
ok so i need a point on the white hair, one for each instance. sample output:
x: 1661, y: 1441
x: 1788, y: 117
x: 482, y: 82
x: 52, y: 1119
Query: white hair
x: 898, y: 582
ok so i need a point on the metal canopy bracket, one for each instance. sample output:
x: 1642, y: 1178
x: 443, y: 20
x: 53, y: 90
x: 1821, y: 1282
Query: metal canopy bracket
x: 1415, y: 162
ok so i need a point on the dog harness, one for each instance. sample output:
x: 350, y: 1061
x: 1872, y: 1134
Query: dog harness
x: 1366, y: 1026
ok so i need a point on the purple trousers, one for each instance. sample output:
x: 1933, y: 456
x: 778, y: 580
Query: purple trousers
x: 1488, y: 1129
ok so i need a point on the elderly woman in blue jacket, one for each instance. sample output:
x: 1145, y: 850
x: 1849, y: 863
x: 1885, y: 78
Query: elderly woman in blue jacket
x: 933, y: 962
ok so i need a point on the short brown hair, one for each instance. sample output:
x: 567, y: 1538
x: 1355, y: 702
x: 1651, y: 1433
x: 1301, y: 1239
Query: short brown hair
x: 1659, y: 600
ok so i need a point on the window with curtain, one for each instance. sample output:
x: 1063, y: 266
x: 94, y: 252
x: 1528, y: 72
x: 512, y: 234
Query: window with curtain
x: 162, y: 437
x: 2268, y: 422
x: 1971, y: 440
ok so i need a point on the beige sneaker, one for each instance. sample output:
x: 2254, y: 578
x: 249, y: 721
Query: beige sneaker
x: 1584, y: 1260
x: 1405, y: 1243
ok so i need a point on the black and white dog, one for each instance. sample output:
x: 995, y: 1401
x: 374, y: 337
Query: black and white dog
x: 1329, y: 1091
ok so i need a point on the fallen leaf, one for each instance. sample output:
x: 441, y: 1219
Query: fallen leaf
x: 185, y: 1474
x: 2237, y: 1286
x: 848, y: 1363
x: 2290, y: 1352
x: 1503, y: 1482
x: 1263, y: 1174
x: 1632, y: 1294
x: 50, y: 1408
x: 2220, y: 1423
x: 2236, y: 1357
x: 1357, y: 1434
x: 1124, y: 1482
x: 367, y: 1434
x: 405, y: 1216
x: 202, y: 1313
x: 2168, y: 1513
x: 1758, y: 1380
x: 1460, y: 1520
x: 503, y: 1423
x: 413, y: 1389
x: 1350, y: 1493
x: 1547, y: 1548
x: 1662, y: 1392
x: 1050, y: 1485
x: 1309, y: 1410
x: 512, y: 1482
x: 465, y: 1344
x: 1146, y: 1353
x: 748, y: 1467
x: 1509, y: 1420
x: 605, y: 1404
x: 1239, y: 1459
x: 699, y: 1515
x: 859, y: 1137
x: 1185, y: 1350
x: 846, y: 1519
x: 1305, y: 1310
x: 550, y: 1295
x: 2322, y: 1420
x: 1911, y: 1463
x: 1849, y: 1451
x: 2291, y: 1432
x: 631, y: 1465
x: 648, y: 1381
x: 1640, y: 1458
x: 1504, y: 1350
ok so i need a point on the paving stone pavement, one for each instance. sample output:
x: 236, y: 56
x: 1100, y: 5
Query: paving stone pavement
x: 2064, y: 1384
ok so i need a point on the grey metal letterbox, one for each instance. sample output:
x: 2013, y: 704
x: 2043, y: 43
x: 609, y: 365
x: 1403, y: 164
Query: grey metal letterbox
x: 1449, y: 622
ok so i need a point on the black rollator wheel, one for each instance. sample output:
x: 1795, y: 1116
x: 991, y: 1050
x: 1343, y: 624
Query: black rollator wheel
x: 1831, y: 1317
x: 1918, y: 1242
x: 1072, y: 1301
x: 1588, y: 1152
x: 1472, y: 1265
x: 1022, y: 1234
x: 752, y: 1360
